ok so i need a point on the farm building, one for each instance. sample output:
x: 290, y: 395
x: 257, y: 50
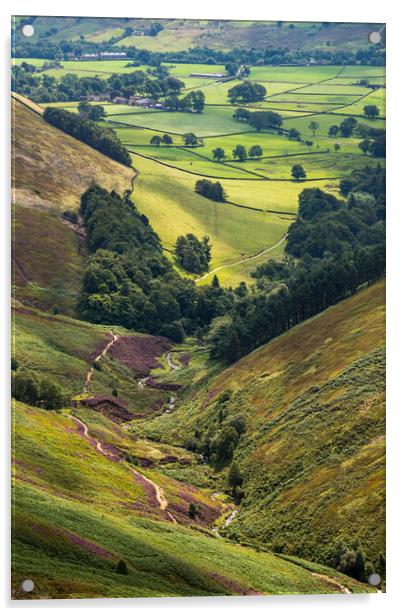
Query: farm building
x: 208, y: 75
x: 104, y: 55
x: 120, y: 100
x: 113, y: 55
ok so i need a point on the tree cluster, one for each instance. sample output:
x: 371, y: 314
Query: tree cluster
x: 193, y: 254
x: 210, y: 190
x: 41, y: 87
x: 102, y: 139
x: 128, y: 281
x: 247, y: 92
x: 260, y: 120
x: 44, y: 392
x: 193, y: 102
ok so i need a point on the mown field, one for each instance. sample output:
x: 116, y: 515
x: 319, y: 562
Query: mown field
x: 164, y: 189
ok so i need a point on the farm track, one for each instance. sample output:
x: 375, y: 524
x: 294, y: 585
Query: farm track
x: 246, y: 259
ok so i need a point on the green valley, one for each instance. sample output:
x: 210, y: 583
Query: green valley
x: 198, y: 308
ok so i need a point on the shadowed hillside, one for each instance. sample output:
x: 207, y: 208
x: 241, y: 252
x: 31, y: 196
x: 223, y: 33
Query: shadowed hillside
x: 55, y: 174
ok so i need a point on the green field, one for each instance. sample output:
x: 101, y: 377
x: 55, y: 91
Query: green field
x: 213, y: 121
x: 165, y: 188
x: 85, y: 68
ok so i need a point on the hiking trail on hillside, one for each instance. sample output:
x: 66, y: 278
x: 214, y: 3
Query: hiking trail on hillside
x: 98, y: 357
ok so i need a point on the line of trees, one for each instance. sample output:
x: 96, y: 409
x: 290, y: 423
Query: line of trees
x: 102, y: 139
x: 339, y: 245
x: 41, y: 87
x: 239, y: 152
x: 260, y: 120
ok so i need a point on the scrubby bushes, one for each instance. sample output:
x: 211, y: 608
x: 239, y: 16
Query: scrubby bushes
x: 46, y: 393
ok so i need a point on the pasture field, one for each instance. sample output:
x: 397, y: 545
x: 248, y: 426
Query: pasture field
x: 296, y: 74
x: 167, y: 197
x: 85, y: 68
x: 377, y: 98
x: 314, y: 99
x: 325, y: 120
x: 164, y: 189
x: 105, y: 35
x: 190, y: 160
x: 213, y: 121
x: 360, y: 72
x: 185, y: 70
x: 329, y: 88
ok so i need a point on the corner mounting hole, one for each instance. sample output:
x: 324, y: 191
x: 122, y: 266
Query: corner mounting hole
x: 374, y: 38
x: 27, y: 585
x: 28, y: 30
x: 374, y: 579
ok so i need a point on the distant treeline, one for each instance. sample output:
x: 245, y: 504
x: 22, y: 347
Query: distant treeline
x: 102, y: 139
x: 29, y: 81
x: 370, y: 55
x: 339, y: 245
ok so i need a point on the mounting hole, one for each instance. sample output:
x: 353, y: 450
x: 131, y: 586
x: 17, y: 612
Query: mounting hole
x: 27, y: 585
x: 28, y: 30
x: 374, y: 38
x: 374, y: 579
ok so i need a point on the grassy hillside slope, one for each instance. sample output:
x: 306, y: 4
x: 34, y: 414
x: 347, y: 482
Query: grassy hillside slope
x: 89, y: 491
x: 313, y: 456
x: 37, y: 279
x: 76, y: 513
x: 56, y: 174
x: 181, y: 34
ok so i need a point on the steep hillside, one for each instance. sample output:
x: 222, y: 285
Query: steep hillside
x: 313, y: 453
x: 51, y: 169
x: 89, y: 493
x: 37, y: 279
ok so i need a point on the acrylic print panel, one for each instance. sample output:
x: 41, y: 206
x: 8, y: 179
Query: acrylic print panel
x: 198, y: 371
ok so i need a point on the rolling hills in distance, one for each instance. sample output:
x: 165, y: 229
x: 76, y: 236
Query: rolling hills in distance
x: 114, y: 476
